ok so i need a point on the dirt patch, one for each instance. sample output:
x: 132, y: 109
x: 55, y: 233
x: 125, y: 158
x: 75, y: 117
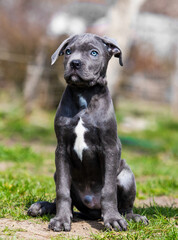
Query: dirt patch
x: 161, y: 201
x: 36, y: 146
x: 39, y: 230
x: 5, y: 165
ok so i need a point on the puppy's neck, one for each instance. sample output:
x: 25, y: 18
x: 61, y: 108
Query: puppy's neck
x: 83, y: 96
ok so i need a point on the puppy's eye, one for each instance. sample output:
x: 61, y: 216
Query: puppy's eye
x: 68, y: 51
x: 94, y: 53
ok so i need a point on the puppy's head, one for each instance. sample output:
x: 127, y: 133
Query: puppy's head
x: 86, y: 58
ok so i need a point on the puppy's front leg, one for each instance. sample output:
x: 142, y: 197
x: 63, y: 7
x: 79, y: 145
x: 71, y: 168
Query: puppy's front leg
x: 111, y: 216
x: 62, y: 220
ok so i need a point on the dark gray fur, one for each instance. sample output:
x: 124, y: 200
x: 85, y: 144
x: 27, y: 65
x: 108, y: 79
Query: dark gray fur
x: 95, y: 180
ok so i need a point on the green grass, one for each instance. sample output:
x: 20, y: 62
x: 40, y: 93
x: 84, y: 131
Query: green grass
x: 19, y: 154
x: 9, y: 232
x: 151, y: 153
x: 19, y: 190
x: 15, y: 125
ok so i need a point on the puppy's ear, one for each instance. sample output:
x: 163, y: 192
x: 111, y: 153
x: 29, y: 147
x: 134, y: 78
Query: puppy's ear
x: 113, y: 48
x: 60, y: 49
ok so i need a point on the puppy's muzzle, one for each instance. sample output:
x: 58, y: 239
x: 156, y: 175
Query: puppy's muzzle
x: 75, y: 64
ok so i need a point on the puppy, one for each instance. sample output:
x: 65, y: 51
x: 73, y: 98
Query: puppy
x: 90, y: 173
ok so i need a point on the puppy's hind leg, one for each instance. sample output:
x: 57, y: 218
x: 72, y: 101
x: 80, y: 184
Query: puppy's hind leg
x: 40, y: 208
x: 126, y: 192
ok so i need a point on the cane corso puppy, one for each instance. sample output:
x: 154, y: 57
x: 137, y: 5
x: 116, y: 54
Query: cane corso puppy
x: 90, y: 173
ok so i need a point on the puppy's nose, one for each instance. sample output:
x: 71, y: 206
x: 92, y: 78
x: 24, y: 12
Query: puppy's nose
x: 75, y: 64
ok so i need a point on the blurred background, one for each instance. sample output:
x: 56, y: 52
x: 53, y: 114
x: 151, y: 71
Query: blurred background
x: 144, y: 91
x: 146, y: 30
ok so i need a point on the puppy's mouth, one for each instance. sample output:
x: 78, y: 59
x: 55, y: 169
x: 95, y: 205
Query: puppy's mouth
x: 75, y: 78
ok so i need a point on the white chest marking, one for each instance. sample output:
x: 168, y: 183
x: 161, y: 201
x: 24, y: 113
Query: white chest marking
x: 125, y: 179
x: 80, y: 144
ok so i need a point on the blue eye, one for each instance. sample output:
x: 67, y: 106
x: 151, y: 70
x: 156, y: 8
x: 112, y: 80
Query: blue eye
x: 68, y: 51
x: 94, y: 53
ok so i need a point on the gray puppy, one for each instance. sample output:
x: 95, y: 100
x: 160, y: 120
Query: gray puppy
x: 90, y: 173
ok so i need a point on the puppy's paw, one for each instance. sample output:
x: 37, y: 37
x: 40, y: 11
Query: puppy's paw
x: 58, y: 224
x: 137, y: 218
x: 41, y: 208
x: 116, y: 222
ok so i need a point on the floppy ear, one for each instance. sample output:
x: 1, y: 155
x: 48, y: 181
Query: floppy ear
x: 60, y: 49
x: 113, y: 48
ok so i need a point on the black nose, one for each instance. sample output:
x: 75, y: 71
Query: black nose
x: 75, y: 64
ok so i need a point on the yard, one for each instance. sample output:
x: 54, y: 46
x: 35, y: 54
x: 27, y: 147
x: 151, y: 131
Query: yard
x: 149, y: 136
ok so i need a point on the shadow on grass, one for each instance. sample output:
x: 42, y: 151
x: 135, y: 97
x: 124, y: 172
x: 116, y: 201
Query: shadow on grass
x: 77, y: 216
x: 152, y: 212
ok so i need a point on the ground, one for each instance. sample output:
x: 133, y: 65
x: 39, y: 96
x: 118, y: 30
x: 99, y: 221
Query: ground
x: 27, y: 146
x: 36, y: 229
x: 39, y: 230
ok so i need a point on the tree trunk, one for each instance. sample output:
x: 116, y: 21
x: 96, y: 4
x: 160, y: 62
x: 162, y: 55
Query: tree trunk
x: 123, y: 13
x: 33, y: 77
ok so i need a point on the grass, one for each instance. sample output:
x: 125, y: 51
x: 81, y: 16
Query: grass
x: 10, y: 232
x: 19, y: 154
x: 16, y: 126
x: 18, y: 191
x: 151, y: 153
